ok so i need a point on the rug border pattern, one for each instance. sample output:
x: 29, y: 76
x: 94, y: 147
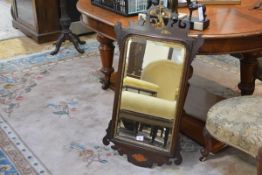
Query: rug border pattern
x: 18, y: 152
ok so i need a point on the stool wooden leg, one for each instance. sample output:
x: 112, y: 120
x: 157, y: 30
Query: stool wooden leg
x: 259, y: 162
x: 154, y: 133
x: 207, y: 147
x: 136, y: 128
x: 166, y: 136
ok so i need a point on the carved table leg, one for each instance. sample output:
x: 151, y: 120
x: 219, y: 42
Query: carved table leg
x: 106, y: 49
x: 248, y: 64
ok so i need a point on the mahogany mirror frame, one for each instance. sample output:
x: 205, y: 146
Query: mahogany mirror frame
x: 138, y: 154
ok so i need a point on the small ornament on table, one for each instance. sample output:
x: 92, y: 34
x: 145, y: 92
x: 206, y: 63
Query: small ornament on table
x: 197, y: 23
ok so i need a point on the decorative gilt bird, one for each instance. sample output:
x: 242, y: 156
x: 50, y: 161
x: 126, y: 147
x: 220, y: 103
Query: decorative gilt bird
x: 159, y: 15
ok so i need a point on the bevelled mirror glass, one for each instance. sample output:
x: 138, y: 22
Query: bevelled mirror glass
x: 149, y: 91
x: 153, y: 71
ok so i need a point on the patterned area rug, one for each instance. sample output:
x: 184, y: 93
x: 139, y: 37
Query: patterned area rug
x: 54, y: 110
x: 15, y: 157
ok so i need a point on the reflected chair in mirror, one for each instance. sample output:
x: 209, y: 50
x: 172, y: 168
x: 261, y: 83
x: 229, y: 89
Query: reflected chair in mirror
x: 236, y: 122
x: 159, y: 83
x: 152, y: 83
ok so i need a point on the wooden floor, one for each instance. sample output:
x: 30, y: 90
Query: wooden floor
x: 19, y: 46
x: 25, y: 45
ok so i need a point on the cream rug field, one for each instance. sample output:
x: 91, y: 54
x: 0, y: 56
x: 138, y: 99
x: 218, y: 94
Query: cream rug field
x: 57, y: 108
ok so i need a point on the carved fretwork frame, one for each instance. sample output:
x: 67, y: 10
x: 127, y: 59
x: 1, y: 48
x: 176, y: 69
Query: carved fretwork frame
x: 174, y: 31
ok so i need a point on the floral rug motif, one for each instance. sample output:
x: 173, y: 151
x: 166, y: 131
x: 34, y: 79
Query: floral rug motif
x: 18, y: 76
x: 54, y: 110
x: 15, y: 157
x: 63, y: 107
x: 14, y: 86
x: 6, y: 165
x: 98, y: 153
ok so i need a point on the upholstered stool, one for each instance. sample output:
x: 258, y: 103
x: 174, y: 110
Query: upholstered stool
x: 236, y: 122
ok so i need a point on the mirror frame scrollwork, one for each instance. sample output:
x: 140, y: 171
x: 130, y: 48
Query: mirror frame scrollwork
x: 173, y: 32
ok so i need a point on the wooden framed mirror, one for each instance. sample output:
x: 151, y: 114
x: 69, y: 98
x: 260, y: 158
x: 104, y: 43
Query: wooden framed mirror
x: 153, y: 71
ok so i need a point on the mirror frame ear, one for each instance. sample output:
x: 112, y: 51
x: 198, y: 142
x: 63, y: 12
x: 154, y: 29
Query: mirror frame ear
x: 146, y: 156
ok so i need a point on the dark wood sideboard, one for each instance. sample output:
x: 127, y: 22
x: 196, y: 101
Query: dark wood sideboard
x: 39, y: 19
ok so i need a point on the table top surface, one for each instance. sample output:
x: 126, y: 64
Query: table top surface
x: 225, y: 20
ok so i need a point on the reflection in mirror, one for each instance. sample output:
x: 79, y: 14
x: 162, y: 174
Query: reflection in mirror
x: 150, y: 88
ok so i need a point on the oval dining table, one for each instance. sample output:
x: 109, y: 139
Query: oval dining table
x: 233, y: 29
